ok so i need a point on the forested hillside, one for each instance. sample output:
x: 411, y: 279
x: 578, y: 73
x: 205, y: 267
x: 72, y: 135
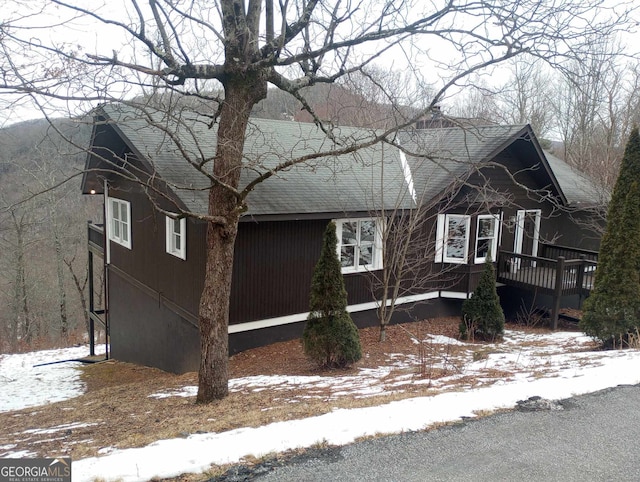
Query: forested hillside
x: 42, y: 233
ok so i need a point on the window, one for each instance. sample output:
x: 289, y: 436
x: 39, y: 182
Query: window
x: 359, y: 244
x: 456, y: 239
x: 119, y: 213
x: 487, y: 237
x: 176, y: 230
x: 452, y: 240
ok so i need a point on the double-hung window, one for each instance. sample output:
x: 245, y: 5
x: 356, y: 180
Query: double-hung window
x: 452, y: 241
x: 359, y: 244
x: 176, y: 230
x: 486, y: 237
x: 119, y: 214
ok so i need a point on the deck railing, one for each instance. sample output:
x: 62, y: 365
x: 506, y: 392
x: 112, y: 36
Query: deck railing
x: 556, y: 277
x: 95, y: 236
x: 553, y: 251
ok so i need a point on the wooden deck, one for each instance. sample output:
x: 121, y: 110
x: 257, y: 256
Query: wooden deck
x: 545, y: 278
x: 570, y: 272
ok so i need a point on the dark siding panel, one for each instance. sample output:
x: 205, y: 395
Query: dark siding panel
x: 145, y: 332
x: 148, y: 262
x: 555, y: 224
x: 181, y: 281
x: 141, y: 261
x: 273, y: 268
x: 570, y: 233
x: 274, y: 264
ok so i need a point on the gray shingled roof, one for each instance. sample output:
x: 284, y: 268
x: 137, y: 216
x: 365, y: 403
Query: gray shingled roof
x: 333, y: 184
x: 577, y: 187
x: 447, y: 153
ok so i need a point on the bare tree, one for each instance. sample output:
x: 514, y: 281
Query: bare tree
x: 38, y: 234
x: 594, y: 106
x: 239, y: 47
x: 524, y: 98
x: 16, y: 240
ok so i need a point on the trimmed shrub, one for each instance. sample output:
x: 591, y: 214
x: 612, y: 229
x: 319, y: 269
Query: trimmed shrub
x: 330, y: 337
x: 482, y: 315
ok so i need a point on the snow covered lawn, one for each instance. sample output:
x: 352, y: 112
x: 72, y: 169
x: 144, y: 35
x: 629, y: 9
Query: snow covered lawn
x: 24, y: 384
x: 554, y: 366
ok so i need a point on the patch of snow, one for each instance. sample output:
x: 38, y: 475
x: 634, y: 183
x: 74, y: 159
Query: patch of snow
x: 58, y: 428
x: 444, y: 340
x: 186, y: 392
x: 22, y: 454
x: 26, y: 385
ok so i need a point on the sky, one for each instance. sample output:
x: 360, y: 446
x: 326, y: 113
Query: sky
x: 553, y: 366
x: 431, y: 59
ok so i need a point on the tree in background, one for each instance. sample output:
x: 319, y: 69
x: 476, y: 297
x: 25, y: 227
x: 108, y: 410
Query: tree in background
x: 330, y: 336
x: 482, y: 315
x: 42, y: 229
x: 612, y: 310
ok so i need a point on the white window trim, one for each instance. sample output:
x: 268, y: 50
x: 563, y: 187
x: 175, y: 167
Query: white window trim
x: 170, y: 246
x: 442, y: 238
x: 377, y: 245
x: 494, y: 242
x: 519, y: 234
x: 112, y: 236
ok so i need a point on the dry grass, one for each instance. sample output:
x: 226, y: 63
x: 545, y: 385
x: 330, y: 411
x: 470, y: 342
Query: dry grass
x: 117, y: 410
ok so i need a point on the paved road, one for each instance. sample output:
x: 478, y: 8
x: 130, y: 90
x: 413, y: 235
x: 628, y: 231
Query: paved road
x: 595, y: 438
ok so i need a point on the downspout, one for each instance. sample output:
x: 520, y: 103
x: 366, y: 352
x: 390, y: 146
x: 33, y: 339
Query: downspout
x: 107, y: 262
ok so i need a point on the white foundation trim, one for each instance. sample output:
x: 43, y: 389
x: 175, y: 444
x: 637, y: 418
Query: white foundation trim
x: 298, y: 317
x: 454, y: 294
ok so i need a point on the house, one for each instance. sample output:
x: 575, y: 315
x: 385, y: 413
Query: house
x: 154, y: 262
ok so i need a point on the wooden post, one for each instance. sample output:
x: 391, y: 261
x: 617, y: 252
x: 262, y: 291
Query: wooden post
x: 92, y: 328
x: 580, y: 279
x: 557, y: 292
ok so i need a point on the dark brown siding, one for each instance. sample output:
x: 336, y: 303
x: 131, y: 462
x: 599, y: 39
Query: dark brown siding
x: 146, y: 332
x: 273, y: 263
x: 148, y: 262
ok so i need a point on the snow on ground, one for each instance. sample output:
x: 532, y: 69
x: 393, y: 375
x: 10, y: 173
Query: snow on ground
x: 23, y: 384
x: 552, y: 366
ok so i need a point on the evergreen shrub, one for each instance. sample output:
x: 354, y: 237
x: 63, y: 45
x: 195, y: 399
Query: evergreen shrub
x: 330, y: 336
x: 482, y: 315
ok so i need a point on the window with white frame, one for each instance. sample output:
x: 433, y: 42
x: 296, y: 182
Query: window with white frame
x: 176, y: 230
x: 359, y: 244
x: 119, y: 213
x: 452, y: 239
x: 486, y: 237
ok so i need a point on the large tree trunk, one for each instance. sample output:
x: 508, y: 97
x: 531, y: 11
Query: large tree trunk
x: 241, y: 94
